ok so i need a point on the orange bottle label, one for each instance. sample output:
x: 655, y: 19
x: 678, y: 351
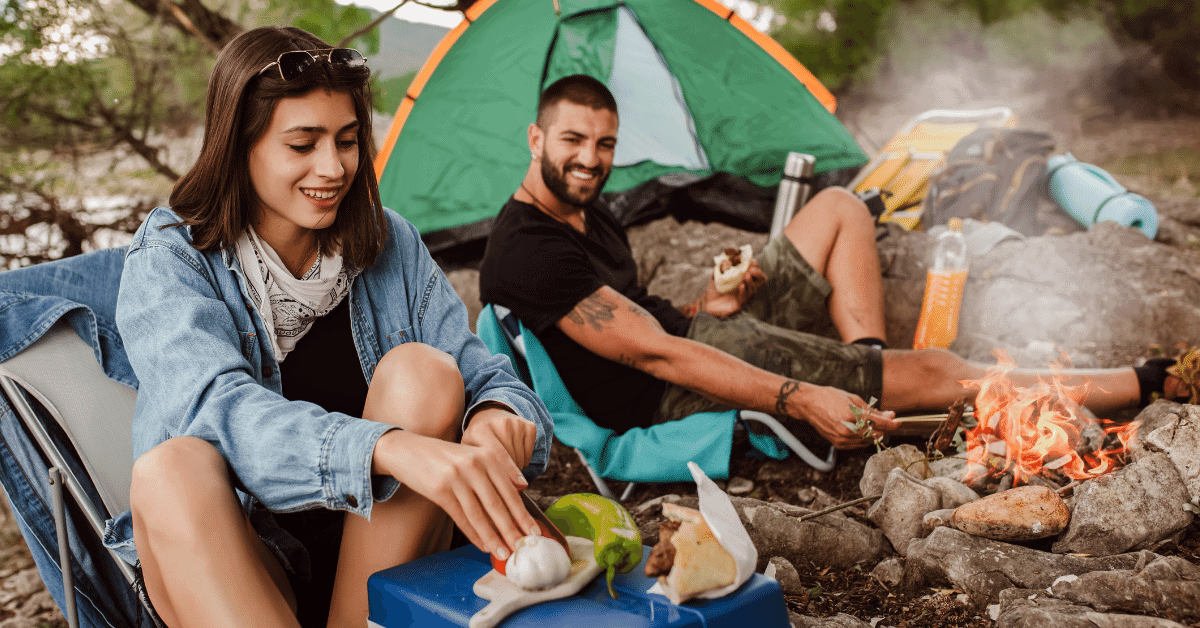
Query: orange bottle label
x: 938, y: 325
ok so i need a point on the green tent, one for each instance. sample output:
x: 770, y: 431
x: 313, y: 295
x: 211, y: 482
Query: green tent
x: 698, y: 90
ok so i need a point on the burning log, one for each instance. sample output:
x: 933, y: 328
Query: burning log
x: 1035, y: 431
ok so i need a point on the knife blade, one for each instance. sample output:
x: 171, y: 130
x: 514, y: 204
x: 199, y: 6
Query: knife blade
x: 536, y: 512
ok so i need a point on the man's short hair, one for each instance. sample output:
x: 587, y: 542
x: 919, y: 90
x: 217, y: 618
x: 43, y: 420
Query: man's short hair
x: 580, y: 89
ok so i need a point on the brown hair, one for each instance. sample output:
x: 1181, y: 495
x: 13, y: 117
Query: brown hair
x: 580, y: 89
x: 216, y: 197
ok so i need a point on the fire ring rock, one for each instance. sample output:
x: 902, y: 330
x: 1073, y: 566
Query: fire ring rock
x: 1133, y: 508
x: 1023, y: 513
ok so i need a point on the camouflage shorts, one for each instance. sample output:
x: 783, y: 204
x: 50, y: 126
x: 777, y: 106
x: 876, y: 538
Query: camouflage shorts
x: 786, y: 329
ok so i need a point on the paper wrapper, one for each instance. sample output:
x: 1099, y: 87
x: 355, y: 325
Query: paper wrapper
x: 728, y: 281
x: 722, y: 518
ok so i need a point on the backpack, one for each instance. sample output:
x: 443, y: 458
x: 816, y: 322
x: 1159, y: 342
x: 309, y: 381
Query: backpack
x: 993, y: 174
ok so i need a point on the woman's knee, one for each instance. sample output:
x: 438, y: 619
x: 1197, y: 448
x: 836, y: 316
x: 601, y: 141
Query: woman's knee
x: 419, y: 388
x: 181, y: 466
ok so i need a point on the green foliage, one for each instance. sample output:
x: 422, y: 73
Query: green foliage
x: 325, y: 19
x: 836, y: 55
x: 390, y: 92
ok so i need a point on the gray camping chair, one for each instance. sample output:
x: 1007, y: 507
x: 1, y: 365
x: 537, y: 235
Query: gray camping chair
x: 60, y: 372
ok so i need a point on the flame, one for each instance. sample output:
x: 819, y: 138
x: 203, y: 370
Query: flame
x: 1035, y: 430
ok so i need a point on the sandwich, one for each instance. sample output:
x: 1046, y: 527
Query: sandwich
x: 729, y: 266
x: 688, y: 559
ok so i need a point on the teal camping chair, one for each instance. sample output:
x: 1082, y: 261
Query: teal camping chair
x: 659, y: 453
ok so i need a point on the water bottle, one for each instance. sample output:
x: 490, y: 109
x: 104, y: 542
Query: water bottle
x: 944, y: 283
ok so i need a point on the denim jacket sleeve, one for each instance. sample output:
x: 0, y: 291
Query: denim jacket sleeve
x: 441, y: 319
x: 189, y: 337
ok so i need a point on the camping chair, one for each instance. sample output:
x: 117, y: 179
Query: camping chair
x: 902, y: 168
x: 78, y: 423
x: 659, y: 453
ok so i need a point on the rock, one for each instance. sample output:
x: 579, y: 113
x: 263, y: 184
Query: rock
x: 841, y: 620
x: 1172, y: 568
x: 1179, y: 438
x: 1018, y: 514
x: 24, y: 583
x: 936, y: 519
x: 1023, y: 608
x: 906, y: 457
x: 1132, y: 508
x: 654, y: 504
x: 952, y: 467
x: 814, y: 498
x: 739, y: 486
x: 953, y: 493
x: 1128, y: 591
x: 466, y: 284
x: 900, y: 511
x: 1150, y: 419
x: 788, y: 577
x: 982, y: 567
x: 828, y: 541
x: 889, y: 572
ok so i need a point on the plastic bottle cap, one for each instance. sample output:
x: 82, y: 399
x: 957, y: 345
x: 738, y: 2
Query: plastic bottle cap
x: 954, y: 224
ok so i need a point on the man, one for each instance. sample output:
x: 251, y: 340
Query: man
x: 800, y: 337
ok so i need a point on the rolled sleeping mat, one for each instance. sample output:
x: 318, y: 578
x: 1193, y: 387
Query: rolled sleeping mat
x: 1091, y: 195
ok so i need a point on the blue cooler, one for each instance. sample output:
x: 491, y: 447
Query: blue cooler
x: 435, y: 591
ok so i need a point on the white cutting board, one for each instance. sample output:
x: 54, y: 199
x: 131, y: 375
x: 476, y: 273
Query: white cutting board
x: 505, y: 597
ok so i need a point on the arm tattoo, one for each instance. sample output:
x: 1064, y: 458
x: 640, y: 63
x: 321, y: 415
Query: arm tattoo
x: 592, y: 311
x: 789, y: 386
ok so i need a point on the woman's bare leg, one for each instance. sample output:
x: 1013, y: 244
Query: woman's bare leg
x: 420, y: 389
x: 202, y: 561
x: 930, y: 380
x: 835, y: 234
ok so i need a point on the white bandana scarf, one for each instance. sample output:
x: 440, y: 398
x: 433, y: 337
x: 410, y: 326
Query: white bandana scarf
x: 293, y: 303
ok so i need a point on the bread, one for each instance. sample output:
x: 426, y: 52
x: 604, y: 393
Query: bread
x: 700, y: 562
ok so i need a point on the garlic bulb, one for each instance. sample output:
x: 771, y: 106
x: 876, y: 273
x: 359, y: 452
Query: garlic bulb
x: 537, y: 562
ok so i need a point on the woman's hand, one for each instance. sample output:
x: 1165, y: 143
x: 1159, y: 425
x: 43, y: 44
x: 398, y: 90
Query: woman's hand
x: 721, y: 305
x: 498, y: 427
x: 476, y: 485
x: 829, y: 410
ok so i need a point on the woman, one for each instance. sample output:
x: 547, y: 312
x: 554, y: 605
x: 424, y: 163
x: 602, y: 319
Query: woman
x: 282, y: 326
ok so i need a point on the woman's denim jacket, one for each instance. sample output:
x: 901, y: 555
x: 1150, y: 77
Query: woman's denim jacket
x: 205, y: 368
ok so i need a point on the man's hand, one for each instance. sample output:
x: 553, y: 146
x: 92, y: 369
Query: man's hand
x: 494, y: 426
x: 721, y: 305
x: 829, y: 410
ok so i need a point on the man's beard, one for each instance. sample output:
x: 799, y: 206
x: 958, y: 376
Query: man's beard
x: 556, y: 181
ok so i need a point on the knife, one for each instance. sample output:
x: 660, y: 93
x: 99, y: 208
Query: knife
x: 533, y: 509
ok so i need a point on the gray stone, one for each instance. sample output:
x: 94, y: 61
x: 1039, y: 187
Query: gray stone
x: 889, y: 572
x: 936, y: 519
x: 982, y: 567
x: 875, y: 472
x: 814, y: 498
x: 25, y: 582
x: 1134, y: 507
x: 953, y: 493
x: 899, y: 513
x: 1019, y: 514
x: 827, y: 541
x: 1150, y: 419
x: 841, y: 620
x: 739, y: 486
x: 1180, y: 440
x: 1127, y: 591
x: 652, y: 505
x: 1172, y: 568
x: 1024, y: 608
x: 787, y: 576
x: 952, y: 467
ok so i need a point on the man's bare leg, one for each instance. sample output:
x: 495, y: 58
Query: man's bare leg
x: 419, y: 389
x: 835, y: 234
x: 930, y: 379
x: 201, y: 560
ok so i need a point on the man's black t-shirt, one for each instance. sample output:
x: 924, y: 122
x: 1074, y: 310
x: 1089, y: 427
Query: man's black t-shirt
x: 541, y: 269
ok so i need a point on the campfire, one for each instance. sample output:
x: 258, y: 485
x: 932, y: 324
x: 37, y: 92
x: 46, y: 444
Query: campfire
x: 1036, y: 433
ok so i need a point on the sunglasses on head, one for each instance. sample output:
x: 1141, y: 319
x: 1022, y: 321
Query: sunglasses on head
x: 294, y: 63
